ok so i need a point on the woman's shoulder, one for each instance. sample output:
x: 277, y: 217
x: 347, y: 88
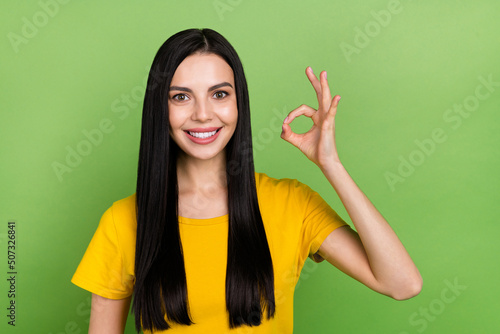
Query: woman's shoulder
x: 266, y: 180
x: 127, y: 203
x: 265, y: 183
x: 121, y: 213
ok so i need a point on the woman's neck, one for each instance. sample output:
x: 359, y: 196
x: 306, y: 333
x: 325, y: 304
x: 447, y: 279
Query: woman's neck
x: 202, y: 187
x: 200, y: 174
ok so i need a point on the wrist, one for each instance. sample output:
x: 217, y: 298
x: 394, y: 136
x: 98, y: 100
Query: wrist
x: 331, y: 165
x: 338, y: 177
x: 333, y: 170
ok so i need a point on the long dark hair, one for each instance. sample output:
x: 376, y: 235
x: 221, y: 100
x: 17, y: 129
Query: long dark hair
x: 160, y: 286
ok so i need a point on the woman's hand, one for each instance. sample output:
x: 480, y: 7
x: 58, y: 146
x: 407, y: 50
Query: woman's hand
x: 318, y: 144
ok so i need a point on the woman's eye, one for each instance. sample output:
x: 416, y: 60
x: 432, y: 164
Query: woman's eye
x: 220, y: 95
x: 180, y: 97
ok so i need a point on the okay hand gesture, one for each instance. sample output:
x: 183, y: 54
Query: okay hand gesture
x: 318, y: 144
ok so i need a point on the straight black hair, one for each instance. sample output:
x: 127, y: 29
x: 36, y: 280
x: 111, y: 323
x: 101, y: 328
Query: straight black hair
x: 160, y: 277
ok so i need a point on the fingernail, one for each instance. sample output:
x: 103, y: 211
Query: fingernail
x: 340, y: 97
x: 325, y: 74
x: 286, y: 119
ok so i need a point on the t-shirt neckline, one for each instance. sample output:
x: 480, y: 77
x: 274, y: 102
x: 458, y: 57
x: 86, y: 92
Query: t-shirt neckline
x: 204, y: 221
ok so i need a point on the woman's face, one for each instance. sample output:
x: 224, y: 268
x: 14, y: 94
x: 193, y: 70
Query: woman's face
x: 202, y: 106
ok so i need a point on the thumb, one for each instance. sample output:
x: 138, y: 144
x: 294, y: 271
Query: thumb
x: 288, y: 135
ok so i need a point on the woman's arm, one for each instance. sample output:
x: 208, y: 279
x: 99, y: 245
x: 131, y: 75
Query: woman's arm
x: 375, y: 257
x: 108, y: 316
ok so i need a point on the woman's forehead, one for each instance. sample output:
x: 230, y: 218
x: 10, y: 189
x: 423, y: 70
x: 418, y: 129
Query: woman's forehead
x: 203, y: 68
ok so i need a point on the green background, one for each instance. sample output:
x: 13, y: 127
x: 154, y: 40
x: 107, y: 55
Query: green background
x: 85, y: 62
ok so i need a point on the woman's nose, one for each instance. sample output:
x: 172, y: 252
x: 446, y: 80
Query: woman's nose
x: 202, y: 112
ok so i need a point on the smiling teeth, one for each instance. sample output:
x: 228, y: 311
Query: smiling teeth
x: 202, y: 134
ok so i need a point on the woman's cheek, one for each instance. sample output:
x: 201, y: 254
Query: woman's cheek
x: 231, y: 113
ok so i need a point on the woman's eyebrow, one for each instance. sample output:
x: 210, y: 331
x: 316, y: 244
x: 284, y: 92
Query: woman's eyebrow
x: 224, y: 84
x: 185, y: 89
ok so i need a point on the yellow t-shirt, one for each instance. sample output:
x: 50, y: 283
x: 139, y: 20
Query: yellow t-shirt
x: 296, y: 220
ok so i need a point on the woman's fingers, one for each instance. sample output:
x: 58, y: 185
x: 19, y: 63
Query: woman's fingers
x: 287, y: 133
x: 314, y: 81
x: 328, y: 121
x: 333, y: 107
x: 290, y: 136
x: 318, y: 144
x: 302, y: 110
x: 321, y: 87
x: 326, y: 96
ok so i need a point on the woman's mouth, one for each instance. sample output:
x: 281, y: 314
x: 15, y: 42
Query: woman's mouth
x: 203, y: 136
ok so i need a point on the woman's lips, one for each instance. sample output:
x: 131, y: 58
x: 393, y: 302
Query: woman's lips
x: 203, y: 136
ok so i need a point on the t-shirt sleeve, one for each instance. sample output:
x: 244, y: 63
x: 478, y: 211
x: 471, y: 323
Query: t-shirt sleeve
x: 319, y: 221
x: 102, y: 270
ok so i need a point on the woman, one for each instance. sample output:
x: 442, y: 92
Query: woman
x: 207, y: 244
